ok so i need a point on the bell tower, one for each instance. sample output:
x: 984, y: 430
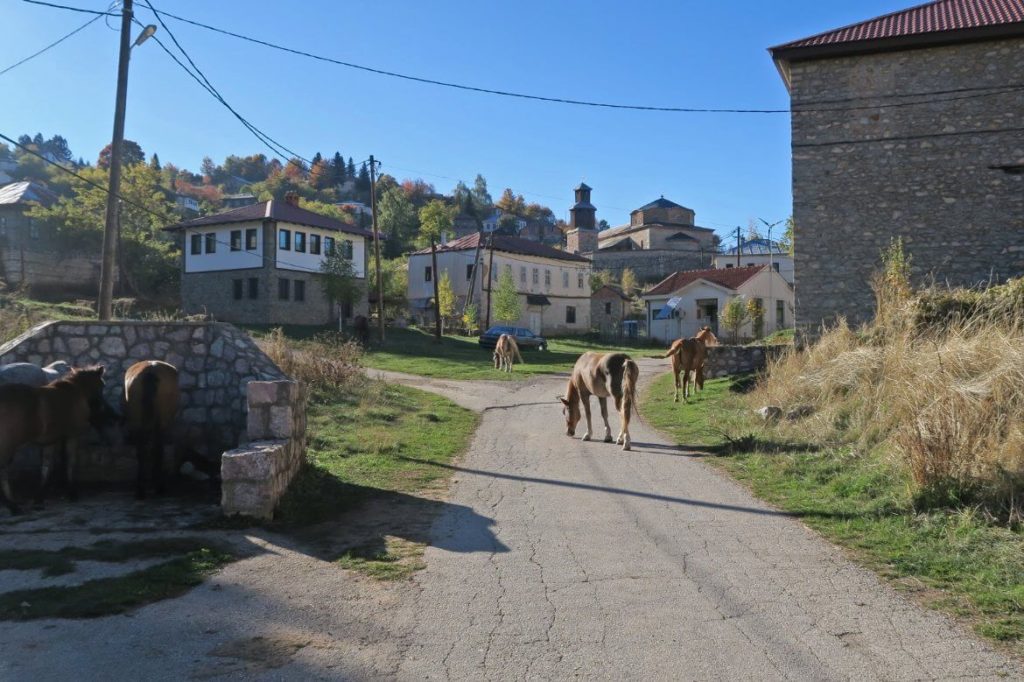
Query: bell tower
x: 582, y: 237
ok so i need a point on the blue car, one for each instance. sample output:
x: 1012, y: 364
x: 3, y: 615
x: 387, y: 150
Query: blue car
x: 524, y: 337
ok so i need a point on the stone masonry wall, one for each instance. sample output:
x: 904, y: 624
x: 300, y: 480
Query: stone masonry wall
x: 215, y: 363
x: 927, y: 173
x: 255, y: 476
x: 728, y: 360
x: 649, y: 266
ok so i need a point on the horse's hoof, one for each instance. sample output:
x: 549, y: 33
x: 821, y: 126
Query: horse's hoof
x: 608, y: 438
x: 586, y: 437
x: 627, y: 447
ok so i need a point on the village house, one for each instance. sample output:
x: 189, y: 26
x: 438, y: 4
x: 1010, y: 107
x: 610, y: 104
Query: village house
x: 661, y: 238
x: 907, y: 125
x: 31, y: 251
x: 553, y: 286
x: 757, y: 252
x: 609, y: 308
x: 685, y: 301
x: 260, y: 264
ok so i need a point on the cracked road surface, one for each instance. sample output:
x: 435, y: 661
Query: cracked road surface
x: 551, y: 559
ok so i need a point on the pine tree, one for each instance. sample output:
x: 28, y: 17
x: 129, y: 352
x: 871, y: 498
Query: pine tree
x: 363, y: 181
x: 350, y: 172
x: 154, y: 162
x: 338, y: 169
x: 316, y: 158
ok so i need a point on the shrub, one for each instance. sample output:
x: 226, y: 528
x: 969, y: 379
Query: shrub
x: 328, y: 361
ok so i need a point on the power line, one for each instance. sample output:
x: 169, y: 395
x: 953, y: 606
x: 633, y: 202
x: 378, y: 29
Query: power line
x: 51, y: 45
x: 73, y: 9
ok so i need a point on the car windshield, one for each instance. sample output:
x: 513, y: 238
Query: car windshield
x: 494, y: 331
x: 525, y: 333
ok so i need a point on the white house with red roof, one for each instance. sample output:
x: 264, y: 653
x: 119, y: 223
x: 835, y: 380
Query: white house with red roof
x: 685, y: 301
x: 553, y: 285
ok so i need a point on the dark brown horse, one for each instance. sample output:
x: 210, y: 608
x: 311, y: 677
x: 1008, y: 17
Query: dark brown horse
x: 57, y: 415
x: 151, y: 396
x: 602, y: 375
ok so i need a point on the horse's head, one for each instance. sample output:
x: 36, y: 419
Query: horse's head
x: 707, y: 337
x: 571, y: 412
x: 89, y: 381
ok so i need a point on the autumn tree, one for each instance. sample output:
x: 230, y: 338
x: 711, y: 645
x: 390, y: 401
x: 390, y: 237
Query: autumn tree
x: 445, y: 298
x: 435, y: 220
x: 628, y: 282
x: 507, y: 307
x: 395, y: 276
x: 511, y: 203
x: 320, y: 175
x: 295, y: 170
x: 734, y: 316
x: 755, y: 310
x: 131, y: 154
x: 339, y: 281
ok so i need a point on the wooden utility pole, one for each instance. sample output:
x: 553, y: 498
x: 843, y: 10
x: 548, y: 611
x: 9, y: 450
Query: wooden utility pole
x: 111, y: 229
x: 376, y: 248
x: 490, y: 279
x: 738, y: 245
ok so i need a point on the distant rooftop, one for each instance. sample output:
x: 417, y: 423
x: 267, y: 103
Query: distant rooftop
x: 758, y: 247
x: 507, y: 244
x: 25, y: 192
x: 660, y: 203
x: 274, y: 209
x: 730, y: 278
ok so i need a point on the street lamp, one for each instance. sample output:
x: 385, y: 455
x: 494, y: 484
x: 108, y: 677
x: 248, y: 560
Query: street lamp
x: 771, y: 267
x: 111, y: 230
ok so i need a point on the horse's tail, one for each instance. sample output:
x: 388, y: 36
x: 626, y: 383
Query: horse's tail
x: 675, y: 349
x: 515, y: 347
x: 150, y: 385
x: 630, y: 376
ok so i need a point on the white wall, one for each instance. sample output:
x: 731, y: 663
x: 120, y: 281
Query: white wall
x: 307, y: 262
x: 224, y: 258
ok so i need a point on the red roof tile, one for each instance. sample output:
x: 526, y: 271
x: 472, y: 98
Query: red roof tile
x: 523, y: 247
x: 730, y: 278
x: 933, y: 17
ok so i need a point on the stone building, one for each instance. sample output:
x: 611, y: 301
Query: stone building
x: 609, y: 308
x: 907, y: 125
x: 260, y: 264
x: 553, y: 286
x: 661, y: 238
x: 31, y: 253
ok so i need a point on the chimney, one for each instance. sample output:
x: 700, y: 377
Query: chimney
x: 292, y: 199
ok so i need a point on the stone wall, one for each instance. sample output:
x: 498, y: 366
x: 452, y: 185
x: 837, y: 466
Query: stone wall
x: 927, y: 173
x: 728, y: 360
x: 255, y: 476
x: 215, y: 362
x: 650, y: 266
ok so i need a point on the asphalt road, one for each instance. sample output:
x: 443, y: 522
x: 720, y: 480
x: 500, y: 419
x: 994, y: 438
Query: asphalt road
x: 551, y: 559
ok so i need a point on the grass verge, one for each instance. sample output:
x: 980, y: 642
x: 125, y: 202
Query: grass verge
x: 62, y: 561
x: 114, y: 595
x: 394, y: 559
x: 957, y: 561
x: 460, y: 357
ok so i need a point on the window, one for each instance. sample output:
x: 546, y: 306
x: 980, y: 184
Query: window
x: 328, y: 246
x: 522, y: 274
x: 197, y: 244
x: 314, y: 244
x: 211, y: 242
x: 284, y: 240
x: 775, y: 266
x: 570, y: 314
x: 536, y: 276
x: 728, y: 265
x: 237, y: 289
x: 750, y: 265
x: 300, y: 242
x: 236, y: 240
x: 33, y: 228
x: 254, y: 287
x: 346, y: 249
x: 547, y: 279
x: 565, y: 279
x: 469, y: 272
x: 250, y: 240
x: 780, y: 314
x: 427, y: 274
x: 283, y: 288
x: 300, y: 290
x: 579, y: 280
x: 608, y: 308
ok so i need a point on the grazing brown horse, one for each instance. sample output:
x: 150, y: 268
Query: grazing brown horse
x: 506, y: 350
x: 601, y: 375
x: 151, y: 402
x: 57, y: 414
x: 689, y: 355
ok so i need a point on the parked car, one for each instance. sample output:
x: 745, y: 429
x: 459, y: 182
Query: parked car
x: 524, y: 337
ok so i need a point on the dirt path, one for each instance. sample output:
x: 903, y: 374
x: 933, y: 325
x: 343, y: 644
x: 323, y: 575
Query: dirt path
x: 551, y: 559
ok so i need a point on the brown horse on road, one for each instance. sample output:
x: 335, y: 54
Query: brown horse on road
x: 57, y: 414
x: 689, y: 355
x: 602, y: 375
x: 151, y: 395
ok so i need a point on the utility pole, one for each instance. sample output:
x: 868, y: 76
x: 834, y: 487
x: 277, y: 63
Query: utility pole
x: 111, y: 229
x: 376, y: 248
x: 739, y: 243
x: 490, y: 279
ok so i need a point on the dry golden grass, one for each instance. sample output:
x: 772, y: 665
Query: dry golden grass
x: 325, y: 362
x: 946, y: 401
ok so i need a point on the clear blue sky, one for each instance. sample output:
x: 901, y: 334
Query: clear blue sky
x: 728, y: 167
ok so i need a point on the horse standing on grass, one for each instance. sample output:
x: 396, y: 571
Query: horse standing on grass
x: 151, y: 396
x: 506, y: 351
x: 602, y: 375
x: 689, y: 355
x: 57, y: 414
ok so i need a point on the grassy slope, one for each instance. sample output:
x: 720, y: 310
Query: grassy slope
x: 954, y: 561
x: 460, y: 357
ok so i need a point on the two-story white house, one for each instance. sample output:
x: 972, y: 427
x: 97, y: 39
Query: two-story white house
x: 685, y: 301
x: 260, y: 264
x: 553, y: 285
